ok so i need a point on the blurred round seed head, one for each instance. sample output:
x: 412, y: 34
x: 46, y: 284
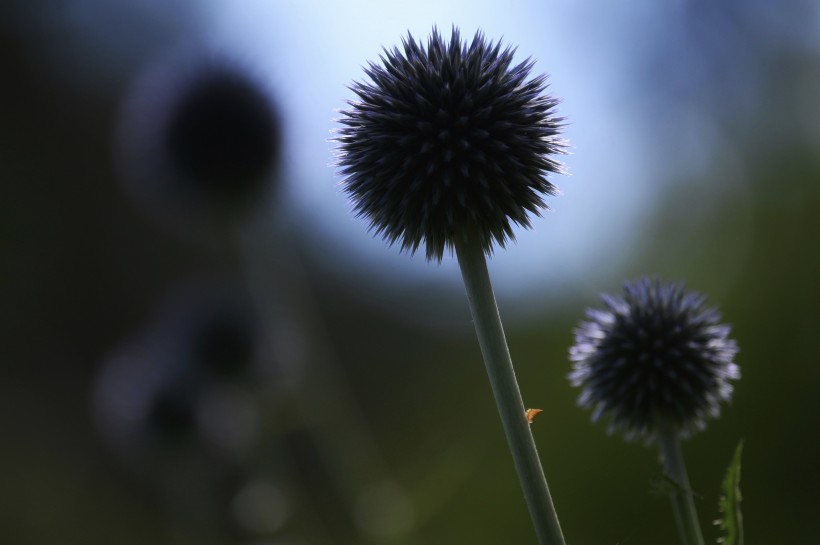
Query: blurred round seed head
x: 199, y: 140
x: 656, y: 356
x: 261, y: 508
x: 188, y: 381
x: 213, y: 326
x: 448, y: 141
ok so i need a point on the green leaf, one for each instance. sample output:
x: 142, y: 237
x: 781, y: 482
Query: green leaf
x: 731, y: 521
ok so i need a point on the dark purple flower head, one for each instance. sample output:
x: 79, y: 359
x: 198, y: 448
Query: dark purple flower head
x: 449, y: 141
x: 655, y: 356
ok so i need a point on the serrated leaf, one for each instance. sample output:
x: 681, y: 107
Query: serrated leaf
x: 731, y: 521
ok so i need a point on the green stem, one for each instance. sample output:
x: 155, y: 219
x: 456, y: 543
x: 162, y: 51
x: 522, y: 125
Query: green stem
x: 683, y: 505
x: 507, y: 395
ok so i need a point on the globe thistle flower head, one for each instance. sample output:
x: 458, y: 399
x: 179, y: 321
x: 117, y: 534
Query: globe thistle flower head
x: 656, y: 356
x: 448, y: 141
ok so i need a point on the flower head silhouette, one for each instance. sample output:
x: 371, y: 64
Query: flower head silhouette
x: 654, y: 356
x: 448, y: 140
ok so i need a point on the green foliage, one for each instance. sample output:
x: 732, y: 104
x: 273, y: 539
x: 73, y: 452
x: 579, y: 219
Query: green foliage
x: 731, y: 521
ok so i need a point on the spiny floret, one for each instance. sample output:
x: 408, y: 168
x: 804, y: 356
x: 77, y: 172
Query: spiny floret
x: 448, y: 141
x: 656, y: 356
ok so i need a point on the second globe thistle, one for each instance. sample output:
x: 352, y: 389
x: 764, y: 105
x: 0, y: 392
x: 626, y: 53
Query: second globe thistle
x: 449, y: 142
x: 657, y: 356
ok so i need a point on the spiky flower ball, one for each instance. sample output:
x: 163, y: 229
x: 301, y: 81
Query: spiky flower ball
x: 655, y: 356
x: 449, y: 140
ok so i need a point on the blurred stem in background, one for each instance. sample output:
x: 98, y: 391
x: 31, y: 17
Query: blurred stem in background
x: 511, y: 408
x: 320, y: 394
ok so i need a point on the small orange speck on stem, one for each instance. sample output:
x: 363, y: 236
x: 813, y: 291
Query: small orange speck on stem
x: 531, y: 414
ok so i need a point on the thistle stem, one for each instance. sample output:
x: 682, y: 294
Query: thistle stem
x: 499, y: 367
x: 683, y: 505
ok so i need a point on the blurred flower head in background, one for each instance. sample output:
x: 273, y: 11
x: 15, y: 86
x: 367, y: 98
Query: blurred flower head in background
x: 655, y: 356
x: 189, y: 381
x: 449, y: 141
x: 199, y: 139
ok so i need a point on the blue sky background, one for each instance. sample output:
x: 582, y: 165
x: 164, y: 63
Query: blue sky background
x: 312, y: 51
x: 638, y: 80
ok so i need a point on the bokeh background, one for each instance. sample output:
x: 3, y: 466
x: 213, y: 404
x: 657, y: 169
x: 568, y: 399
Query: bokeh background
x: 337, y: 393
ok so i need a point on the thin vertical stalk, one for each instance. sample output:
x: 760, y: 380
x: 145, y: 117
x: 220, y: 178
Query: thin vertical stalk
x: 499, y: 367
x: 275, y: 275
x: 683, y: 505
